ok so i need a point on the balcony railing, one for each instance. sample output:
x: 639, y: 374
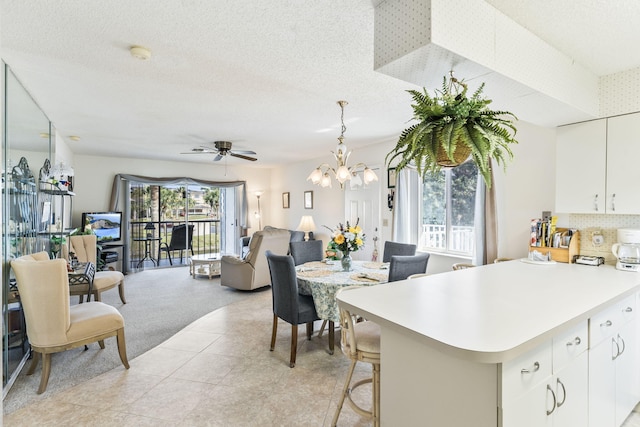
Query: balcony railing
x: 206, y: 239
x: 434, y: 236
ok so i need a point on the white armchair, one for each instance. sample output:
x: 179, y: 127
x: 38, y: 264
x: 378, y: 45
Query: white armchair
x: 253, y: 271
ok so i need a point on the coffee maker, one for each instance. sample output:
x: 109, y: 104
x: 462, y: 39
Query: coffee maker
x: 627, y: 250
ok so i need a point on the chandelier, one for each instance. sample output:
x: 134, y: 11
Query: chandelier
x: 342, y: 173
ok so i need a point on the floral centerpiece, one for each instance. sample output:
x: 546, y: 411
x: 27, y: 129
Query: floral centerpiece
x: 346, y: 238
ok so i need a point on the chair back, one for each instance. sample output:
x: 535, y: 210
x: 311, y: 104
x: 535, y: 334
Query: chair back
x: 179, y: 238
x: 402, y: 267
x: 85, y: 246
x: 302, y: 252
x: 44, y: 293
x: 284, y: 286
x: 461, y: 266
x: 395, y: 248
x: 361, y: 342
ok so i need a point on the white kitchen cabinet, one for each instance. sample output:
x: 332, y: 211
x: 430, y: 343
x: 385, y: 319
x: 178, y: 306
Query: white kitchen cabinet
x: 613, y: 370
x: 623, y: 173
x: 548, y: 386
x: 596, y: 166
x: 581, y: 155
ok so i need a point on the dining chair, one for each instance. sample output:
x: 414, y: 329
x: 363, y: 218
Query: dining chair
x: 402, y: 267
x: 461, y: 266
x: 417, y: 276
x: 288, y: 304
x: 395, y: 248
x: 306, y: 251
x: 53, y: 325
x: 360, y: 341
x: 497, y: 260
x: 85, y: 247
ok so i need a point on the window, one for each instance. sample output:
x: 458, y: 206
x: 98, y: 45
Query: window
x: 448, y: 210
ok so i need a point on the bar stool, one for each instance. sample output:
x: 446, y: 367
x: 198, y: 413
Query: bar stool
x: 360, y: 341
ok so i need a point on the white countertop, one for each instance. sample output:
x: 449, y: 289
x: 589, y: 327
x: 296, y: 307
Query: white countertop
x: 493, y: 313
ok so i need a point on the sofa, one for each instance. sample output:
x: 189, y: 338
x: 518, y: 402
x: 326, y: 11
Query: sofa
x: 252, y: 271
x: 294, y: 236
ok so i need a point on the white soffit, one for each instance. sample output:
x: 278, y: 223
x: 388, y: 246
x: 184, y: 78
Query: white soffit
x: 419, y: 41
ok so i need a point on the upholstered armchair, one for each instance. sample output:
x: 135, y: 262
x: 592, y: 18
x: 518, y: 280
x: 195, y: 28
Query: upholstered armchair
x: 86, y: 248
x: 53, y: 325
x: 253, y: 271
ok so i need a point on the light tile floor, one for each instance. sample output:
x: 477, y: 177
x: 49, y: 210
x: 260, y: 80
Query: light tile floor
x: 216, y: 372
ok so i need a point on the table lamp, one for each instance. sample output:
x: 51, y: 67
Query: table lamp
x: 306, y: 225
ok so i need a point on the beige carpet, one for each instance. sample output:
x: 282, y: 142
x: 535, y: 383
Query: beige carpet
x: 160, y: 303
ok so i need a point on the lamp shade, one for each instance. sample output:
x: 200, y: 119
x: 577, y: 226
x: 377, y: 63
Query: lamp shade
x: 306, y: 224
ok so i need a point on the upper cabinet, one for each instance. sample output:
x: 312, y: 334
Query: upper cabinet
x: 596, y: 166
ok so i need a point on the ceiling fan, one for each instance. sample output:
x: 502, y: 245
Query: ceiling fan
x: 222, y: 148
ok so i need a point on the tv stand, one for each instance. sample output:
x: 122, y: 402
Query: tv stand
x: 111, y: 255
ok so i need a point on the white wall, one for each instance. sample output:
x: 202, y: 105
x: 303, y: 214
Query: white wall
x: 523, y: 192
x: 94, y: 177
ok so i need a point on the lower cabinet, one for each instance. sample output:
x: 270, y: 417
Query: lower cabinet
x: 549, y: 385
x: 613, y: 365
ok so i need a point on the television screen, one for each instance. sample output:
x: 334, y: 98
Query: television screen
x: 105, y: 225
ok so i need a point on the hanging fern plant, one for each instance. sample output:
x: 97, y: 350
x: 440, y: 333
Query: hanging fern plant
x: 453, y: 128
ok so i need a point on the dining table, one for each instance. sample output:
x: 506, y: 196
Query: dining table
x: 323, y: 279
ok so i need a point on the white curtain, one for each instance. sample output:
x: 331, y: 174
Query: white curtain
x: 406, y: 207
x: 485, y: 223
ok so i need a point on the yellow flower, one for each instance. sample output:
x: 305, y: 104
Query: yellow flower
x: 357, y: 229
x: 359, y: 241
x: 352, y: 230
x: 339, y: 239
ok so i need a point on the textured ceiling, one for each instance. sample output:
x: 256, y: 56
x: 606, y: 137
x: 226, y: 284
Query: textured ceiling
x: 265, y: 75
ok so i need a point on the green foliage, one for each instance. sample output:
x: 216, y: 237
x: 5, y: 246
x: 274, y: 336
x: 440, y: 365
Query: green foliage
x: 449, y: 118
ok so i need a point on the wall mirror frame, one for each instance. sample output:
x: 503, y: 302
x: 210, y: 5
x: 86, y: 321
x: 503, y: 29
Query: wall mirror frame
x: 27, y: 137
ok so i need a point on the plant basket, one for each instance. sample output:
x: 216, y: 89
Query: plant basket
x: 460, y: 156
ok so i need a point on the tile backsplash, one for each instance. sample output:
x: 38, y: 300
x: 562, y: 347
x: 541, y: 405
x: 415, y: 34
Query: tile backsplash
x: 605, y: 225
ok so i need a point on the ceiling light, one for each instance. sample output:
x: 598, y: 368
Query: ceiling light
x: 140, y: 52
x: 342, y: 173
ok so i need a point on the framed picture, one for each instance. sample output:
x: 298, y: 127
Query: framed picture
x: 308, y: 199
x: 391, y: 178
x: 285, y: 200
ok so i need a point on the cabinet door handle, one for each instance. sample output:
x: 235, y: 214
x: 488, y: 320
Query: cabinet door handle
x: 624, y: 346
x: 576, y: 341
x: 615, y: 353
x: 564, y: 392
x: 595, y: 203
x: 536, y: 367
x: 607, y: 323
x: 613, y: 202
x: 553, y: 407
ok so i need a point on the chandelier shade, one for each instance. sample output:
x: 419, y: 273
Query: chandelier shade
x: 342, y: 172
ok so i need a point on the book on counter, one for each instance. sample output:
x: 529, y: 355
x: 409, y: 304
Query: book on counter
x: 546, y: 234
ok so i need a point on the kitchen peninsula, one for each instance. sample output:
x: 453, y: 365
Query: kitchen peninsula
x: 508, y: 344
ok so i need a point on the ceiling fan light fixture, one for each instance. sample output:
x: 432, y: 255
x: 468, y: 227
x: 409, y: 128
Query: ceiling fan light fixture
x: 315, y: 177
x: 369, y: 175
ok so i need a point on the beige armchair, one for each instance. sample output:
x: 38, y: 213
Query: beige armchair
x: 85, y: 247
x: 53, y: 325
x: 253, y: 271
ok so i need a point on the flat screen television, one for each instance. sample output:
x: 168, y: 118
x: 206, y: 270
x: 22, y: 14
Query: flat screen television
x: 105, y: 225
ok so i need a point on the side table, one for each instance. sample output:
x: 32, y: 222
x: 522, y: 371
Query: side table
x: 208, y: 264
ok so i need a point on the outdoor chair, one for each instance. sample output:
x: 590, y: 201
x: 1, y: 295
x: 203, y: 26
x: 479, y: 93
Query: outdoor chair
x: 179, y: 242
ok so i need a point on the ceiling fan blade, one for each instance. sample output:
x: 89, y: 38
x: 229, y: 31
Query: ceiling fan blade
x: 242, y: 156
x: 218, y: 157
x: 253, y: 153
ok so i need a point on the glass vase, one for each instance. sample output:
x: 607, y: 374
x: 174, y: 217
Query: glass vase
x: 346, y: 262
